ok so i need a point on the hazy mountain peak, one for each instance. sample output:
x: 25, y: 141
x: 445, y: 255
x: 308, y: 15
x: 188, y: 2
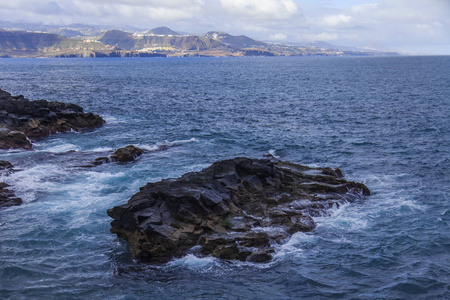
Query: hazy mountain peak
x: 163, y: 31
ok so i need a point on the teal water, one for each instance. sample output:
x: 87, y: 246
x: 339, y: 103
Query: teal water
x: 384, y: 121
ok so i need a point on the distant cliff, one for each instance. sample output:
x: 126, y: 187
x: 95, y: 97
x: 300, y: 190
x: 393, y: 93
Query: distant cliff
x: 27, y: 42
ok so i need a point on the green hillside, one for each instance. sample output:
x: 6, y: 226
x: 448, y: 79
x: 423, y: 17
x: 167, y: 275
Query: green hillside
x: 27, y: 41
x: 118, y: 38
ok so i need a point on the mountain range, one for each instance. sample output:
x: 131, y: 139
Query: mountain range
x: 80, y: 40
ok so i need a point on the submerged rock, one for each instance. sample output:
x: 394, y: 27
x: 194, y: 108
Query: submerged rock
x: 5, y: 165
x: 22, y: 120
x: 234, y: 209
x: 7, y: 197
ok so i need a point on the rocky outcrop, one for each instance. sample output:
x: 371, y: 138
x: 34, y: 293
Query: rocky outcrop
x: 14, y: 140
x: 22, y: 120
x: 121, y: 155
x: 126, y: 154
x: 5, y: 166
x: 234, y: 209
x: 7, y: 197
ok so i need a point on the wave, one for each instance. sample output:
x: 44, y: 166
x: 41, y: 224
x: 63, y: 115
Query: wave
x: 166, y: 144
x: 43, y: 178
x: 102, y: 149
x: 193, y: 262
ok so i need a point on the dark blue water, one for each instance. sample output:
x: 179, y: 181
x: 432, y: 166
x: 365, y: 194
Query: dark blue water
x: 383, y: 121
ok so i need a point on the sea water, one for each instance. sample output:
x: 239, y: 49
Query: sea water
x: 384, y: 121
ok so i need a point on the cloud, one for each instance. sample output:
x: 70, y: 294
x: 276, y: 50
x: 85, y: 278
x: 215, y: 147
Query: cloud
x: 278, y: 37
x: 388, y: 22
x: 261, y: 9
x: 336, y: 20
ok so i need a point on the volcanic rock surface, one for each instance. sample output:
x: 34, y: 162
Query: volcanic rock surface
x: 234, y: 209
x: 22, y: 120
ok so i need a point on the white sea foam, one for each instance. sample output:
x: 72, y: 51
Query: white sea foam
x: 193, y: 262
x: 179, y: 142
x: 313, y: 165
x: 345, y: 218
x: 41, y: 178
x: 112, y: 120
x: 273, y: 152
x: 166, y: 143
x: 293, y: 247
x: 102, y: 149
x: 60, y: 148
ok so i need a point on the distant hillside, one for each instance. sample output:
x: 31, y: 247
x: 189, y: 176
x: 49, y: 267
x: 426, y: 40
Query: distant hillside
x: 163, y: 31
x: 240, y: 41
x: 121, y: 39
x: 186, y: 43
x: 36, y: 44
x: 127, y: 41
x: 27, y: 41
x: 162, y: 43
x: 325, y: 45
x: 67, y: 32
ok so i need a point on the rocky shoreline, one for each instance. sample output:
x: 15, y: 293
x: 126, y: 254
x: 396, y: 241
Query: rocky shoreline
x: 234, y: 209
x: 23, y: 121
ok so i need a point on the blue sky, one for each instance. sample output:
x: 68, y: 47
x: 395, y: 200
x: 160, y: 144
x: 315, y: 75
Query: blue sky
x: 418, y: 26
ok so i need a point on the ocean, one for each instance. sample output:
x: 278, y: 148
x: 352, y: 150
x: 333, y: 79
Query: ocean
x: 384, y: 121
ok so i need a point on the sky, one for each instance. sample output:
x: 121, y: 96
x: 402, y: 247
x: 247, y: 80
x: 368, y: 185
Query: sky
x: 410, y: 26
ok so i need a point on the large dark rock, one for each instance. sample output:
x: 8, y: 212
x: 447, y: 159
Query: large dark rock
x: 234, y: 209
x: 39, y: 118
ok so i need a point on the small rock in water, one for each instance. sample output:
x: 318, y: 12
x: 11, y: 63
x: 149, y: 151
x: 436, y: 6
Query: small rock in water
x: 121, y: 155
x: 223, y: 209
x: 126, y: 154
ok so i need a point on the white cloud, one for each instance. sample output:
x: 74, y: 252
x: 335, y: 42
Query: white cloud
x: 392, y: 23
x: 278, y: 37
x: 261, y: 9
x: 322, y: 36
x: 336, y: 20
